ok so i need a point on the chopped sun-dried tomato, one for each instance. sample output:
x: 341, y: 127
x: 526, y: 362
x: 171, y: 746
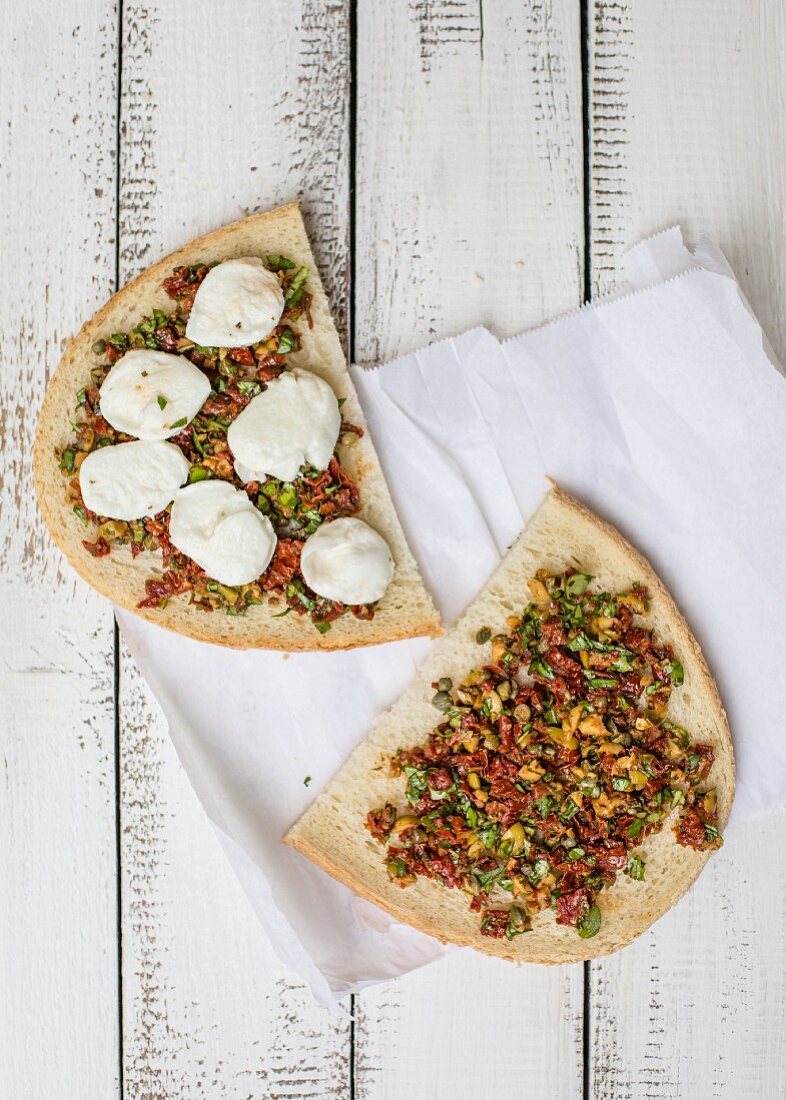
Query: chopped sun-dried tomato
x: 553, y: 762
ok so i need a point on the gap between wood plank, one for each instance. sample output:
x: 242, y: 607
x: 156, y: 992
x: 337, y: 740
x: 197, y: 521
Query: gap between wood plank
x: 353, y: 116
x: 116, y: 631
x: 586, y: 108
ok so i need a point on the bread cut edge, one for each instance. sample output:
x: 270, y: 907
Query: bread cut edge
x: 405, y: 611
x: 629, y: 908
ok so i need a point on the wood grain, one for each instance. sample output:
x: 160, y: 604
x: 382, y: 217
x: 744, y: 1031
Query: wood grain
x: 682, y: 130
x: 469, y: 169
x: 686, y: 128
x: 469, y: 1026
x: 469, y: 210
x: 58, y: 933
x: 207, y: 1008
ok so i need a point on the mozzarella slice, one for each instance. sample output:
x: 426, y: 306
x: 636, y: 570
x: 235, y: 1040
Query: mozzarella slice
x: 348, y: 561
x: 219, y: 528
x: 132, y: 480
x: 239, y: 302
x: 295, y: 421
x: 152, y: 394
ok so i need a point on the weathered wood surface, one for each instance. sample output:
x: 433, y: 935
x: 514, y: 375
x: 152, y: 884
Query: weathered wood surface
x: 460, y: 124
x: 207, y: 1007
x: 462, y: 141
x: 58, y: 926
x: 686, y: 127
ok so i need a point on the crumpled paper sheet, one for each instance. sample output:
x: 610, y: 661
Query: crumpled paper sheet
x: 662, y: 410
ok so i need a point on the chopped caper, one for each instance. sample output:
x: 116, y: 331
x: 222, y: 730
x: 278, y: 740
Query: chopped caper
x: 483, y: 635
x: 445, y: 683
x: 442, y: 701
x: 99, y: 347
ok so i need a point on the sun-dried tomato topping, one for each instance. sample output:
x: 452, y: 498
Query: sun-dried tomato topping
x: 284, y: 566
x: 157, y: 591
x: 183, y: 279
x: 244, y: 356
x: 553, y: 762
x: 572, y: 906
x: 99, y: 548
x: 382, y: 821
x: 167, y: 338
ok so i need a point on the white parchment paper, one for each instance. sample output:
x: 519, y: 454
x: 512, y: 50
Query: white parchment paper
x: 662, y: 410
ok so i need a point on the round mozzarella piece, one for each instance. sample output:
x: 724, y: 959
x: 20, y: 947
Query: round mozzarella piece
x: 239, y: 302
x: 132, y: 480
x: 152, y: 394
x: 219, y: 528
x: 295, y: 421
x: 348, y: 561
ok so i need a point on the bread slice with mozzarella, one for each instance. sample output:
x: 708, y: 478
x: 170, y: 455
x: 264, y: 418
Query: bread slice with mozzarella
x: 405, y: 611
x: 561, y: 534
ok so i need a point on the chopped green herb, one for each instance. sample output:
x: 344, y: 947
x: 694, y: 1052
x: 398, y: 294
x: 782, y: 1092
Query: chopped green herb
x: 543, y: 806
x: 589, y: 925
x: 635, y: 868
x: 489, y: 836
x: 306, y: 781
x: 287, y: 342
x: 295, y: 291
x: 623, y: 663
x: 197, y: 473
x: 594, y: 681
x: 181, y: 423
x: 80, y: 513
x: 539, y: 871
x: 162, y: 401
x: 279, y: 263
x: 539, y: 667
x: 322, y: 626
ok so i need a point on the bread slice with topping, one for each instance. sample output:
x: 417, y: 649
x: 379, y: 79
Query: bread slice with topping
x: 406, y: 610
x: 563, y: 534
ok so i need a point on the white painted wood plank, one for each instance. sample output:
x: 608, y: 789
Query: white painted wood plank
x: 469, y: 1027
x: 469, y: 161
x: 58, y: 950
x: 208, y: 1009
x: 469, y: 210
x: 687, y: 127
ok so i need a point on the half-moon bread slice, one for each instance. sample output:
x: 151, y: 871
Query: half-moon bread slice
x: 405, y: 611
x: 562, y: 533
